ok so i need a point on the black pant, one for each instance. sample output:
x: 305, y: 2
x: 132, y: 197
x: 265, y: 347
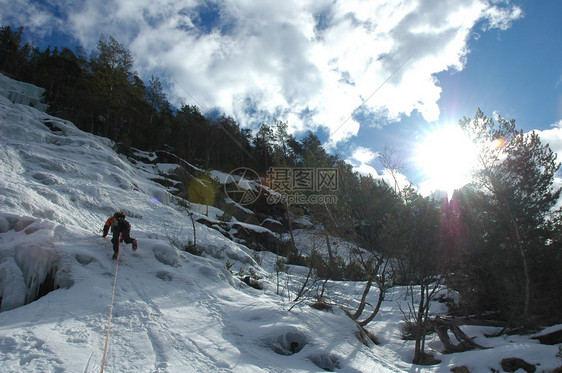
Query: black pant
x: 115, y: 239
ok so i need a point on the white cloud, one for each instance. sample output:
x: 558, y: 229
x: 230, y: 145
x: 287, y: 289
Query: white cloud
x: 502, y: 17
x: 397, y: 180
x: 363, y: 155
x: 315, y: 62
x: 360, y: 159
x: 365, y: 169
x: 36, y: 18
x: 553, y: 137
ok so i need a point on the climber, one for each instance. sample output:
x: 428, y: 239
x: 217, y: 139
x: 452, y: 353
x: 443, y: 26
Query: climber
x: 121, y: 230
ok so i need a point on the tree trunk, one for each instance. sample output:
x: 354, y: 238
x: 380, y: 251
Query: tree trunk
x: 290, y: 225
x: 527, y: 300
x: 194, y: 231
x: 362, y: 303
x: 519, y: 244
x: 418, y: 350
x: 375, y: 311
x: 304, y: 284
x: 465, y: 342
x: 330, y: 254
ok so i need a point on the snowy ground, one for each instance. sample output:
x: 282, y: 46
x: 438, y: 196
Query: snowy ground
x: 173, y: 311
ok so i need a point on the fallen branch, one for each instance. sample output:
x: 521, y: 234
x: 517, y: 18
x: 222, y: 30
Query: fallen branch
x: 465, y: 343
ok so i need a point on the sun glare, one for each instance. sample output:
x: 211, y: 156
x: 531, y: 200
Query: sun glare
x: 446, y: 157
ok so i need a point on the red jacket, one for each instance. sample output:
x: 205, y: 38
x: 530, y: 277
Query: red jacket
x: 107, y: 225
x: 120, y: 225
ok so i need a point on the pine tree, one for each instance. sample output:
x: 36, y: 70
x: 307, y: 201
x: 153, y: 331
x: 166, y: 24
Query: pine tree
x: 263, y: 144
x: 14, y: 54
x: 112, y: 84
x: 516, y: 172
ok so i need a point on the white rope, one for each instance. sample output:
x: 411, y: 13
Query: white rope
x: 110, y: 313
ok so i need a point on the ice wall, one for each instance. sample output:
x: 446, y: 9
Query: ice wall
x: 22, y: 93
x: 29, y: 263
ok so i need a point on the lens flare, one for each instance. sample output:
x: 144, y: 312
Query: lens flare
x: 498, y: 143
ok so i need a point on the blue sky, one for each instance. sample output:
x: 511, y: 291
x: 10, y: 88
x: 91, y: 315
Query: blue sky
x: 363, y: 75
x: 519, y: 70
x: 516, y: 73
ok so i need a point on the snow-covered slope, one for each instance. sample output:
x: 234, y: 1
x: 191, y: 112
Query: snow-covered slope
x: 173, y: 311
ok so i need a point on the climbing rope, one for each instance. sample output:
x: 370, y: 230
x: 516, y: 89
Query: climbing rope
x: 110, y: 313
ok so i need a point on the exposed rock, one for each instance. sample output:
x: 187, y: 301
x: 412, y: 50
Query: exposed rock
x: 302, y: 224
x: 321, y: 306
x: 252, y: 282
x: 552, y: 338
x: 461, y: 369
x: 222, y: 227
x: 245, y: 215
x: 512, y: 364
x: 273, y: 225
x: 264, y: 238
